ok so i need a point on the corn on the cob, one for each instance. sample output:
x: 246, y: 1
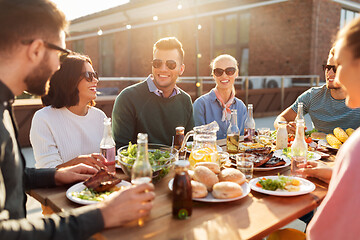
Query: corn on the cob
x: 333, y: 141
x: 340, y: 134
x: 349, y: 131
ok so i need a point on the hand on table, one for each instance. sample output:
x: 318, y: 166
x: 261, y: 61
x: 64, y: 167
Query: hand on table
x: 291, y: 127
x: 127, y: 205
x: 72, y: 174
x: 317, y: 170
x: 94, y: 160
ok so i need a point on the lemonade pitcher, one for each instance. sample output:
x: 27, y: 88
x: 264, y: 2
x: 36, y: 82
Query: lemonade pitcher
x: 204, y: 144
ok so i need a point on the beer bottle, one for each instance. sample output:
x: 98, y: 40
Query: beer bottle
x: 233, y: 134
x: 107, y: 147
x: 249, y: 125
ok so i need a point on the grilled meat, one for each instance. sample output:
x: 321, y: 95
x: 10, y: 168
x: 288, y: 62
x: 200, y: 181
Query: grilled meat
x: 102, y: 181
x: 275, y: 162
x: 262, y: 159
x: 262, y: 150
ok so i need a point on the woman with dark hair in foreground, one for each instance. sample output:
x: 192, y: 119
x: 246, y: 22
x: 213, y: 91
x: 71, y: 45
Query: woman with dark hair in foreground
x: 68, y: 130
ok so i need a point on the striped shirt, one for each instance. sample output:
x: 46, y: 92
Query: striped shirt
x: 326, y: 112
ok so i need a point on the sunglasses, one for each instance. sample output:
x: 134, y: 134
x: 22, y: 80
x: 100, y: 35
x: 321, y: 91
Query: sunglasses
x: 329, y: 67
x: 90, y: 76
x: 229, y: 71
x: 170, y: 64
x: 63, y: 53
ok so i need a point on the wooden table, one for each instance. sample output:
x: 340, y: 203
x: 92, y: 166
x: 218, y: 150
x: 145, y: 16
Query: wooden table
x: 252, y: 217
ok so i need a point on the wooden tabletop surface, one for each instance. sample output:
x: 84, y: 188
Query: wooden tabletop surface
x: 252, y: 217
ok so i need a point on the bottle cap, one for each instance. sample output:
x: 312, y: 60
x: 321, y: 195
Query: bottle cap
x: 179, y: 129
x: 182, y: 163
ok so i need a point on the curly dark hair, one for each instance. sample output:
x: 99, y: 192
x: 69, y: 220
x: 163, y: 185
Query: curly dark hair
x: 63, y: 91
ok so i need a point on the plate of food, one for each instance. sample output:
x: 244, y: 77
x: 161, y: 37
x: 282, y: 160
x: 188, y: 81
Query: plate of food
x: 245, y: 188
x: 264, y: 159
x: 209, y: 184
x: 311, y: 156
x: 243, y: 146
x: 285, y: 186
x: 96, y: 188
x: 324, y: 143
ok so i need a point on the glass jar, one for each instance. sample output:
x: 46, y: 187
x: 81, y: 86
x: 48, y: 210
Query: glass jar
x: 204, y: 144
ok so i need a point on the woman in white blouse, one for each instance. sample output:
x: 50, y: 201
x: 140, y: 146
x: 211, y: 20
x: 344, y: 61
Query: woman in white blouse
x: 68, y: 130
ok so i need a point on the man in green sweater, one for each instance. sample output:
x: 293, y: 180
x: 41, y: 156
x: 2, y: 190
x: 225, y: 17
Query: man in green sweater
x: 32, y: 40
x: 155, y: 106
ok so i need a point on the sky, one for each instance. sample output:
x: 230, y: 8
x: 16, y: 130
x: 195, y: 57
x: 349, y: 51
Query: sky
x: 78, y: 8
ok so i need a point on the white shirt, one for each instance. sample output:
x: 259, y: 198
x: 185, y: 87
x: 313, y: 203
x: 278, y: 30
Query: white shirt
x: 57, y: 135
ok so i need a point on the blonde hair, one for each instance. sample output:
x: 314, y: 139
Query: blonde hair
x: 224, y: 56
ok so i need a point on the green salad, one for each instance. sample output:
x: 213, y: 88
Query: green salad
x: 91, y: 195
x: 274, y: 184
x: 280, y: 183
x: 156, y: 157
x: 287, y: 152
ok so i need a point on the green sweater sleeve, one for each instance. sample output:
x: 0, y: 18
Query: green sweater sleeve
x: 78, y: 224
x: 123, y: 119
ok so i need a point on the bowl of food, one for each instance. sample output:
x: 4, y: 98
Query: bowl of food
x: 161, y: 158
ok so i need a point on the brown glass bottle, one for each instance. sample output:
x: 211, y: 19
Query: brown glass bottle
x: 179, y: 137
x: 182, y: 192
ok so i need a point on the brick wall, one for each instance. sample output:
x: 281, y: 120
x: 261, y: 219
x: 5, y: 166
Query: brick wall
x: 289, y: 38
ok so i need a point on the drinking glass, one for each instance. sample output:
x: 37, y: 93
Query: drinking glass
x: 244, y: 162
x: 264, y: 132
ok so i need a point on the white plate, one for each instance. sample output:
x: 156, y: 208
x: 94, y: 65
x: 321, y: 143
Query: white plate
x: 305, y: 187
x: 277, y: 153
x: 314, y: 155
x: 209, y: 198
x: 218, y: 148
x: 326, y: 144
x: 80, y: 186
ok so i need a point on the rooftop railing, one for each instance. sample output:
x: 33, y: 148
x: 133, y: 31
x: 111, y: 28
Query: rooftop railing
x: 245, y: 83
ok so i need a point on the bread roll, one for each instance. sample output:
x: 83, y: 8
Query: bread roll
x: 206, y: 176
x: 191, y: 174
x: 224, y: 190
x: 318, y: 135
x: 198, y: 189
x: 214, y: 167
x: 232, y: 175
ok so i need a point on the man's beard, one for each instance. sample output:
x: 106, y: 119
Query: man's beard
x: 37, y: 82
x: 333, y: 87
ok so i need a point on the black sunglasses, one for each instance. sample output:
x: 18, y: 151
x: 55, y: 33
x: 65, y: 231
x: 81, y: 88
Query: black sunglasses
x: 229, y: 71
x: 90, y: 76
x: 63, y: 53
x: 170, y: 64
x: 328, y: 67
